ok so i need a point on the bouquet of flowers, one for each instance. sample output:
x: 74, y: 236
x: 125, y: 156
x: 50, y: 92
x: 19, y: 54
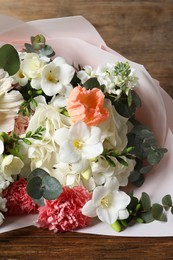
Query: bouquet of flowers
x: 73, y: 144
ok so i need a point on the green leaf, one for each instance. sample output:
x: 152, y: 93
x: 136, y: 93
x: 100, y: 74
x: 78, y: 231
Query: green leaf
x: 47, y: 51
x: 29, y: 48
x: 145, y: 201
x: 146, y: 169
x: 51, y: 187
x: 157, y: 212
x: 9, y: 59
x: 154, y: 157
x: 167, y: 201
x: 40, y: 201
x: 129, y: 98
x: 91, y: 83
x: 172, y: 210
x: 147, y: 217
x: 38, y: 172
x: 134, y: 176
x: 110, y: 161
x: 34, y: 188
x: 122, y: 161
x: 133, y: 203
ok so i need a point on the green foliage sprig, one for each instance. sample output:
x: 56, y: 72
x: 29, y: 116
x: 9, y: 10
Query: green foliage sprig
x: 146, y: 150
x: 38, y: 45
x: 40, y: 186
x: 142, y: 211
x: 12, y: 141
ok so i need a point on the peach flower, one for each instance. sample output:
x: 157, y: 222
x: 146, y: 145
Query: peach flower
x: 87, y: 106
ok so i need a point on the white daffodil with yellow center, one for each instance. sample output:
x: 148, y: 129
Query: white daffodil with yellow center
x: 108, y: 203
x: 78, y: 144
x: 56, y: 77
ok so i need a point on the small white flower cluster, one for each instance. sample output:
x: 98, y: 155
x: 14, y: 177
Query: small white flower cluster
x: 114, y: 80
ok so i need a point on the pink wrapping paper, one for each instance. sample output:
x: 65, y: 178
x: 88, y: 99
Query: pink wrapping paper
x: 75, y: 39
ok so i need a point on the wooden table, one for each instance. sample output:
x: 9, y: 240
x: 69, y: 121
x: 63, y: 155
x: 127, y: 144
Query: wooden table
x: 143, y: 32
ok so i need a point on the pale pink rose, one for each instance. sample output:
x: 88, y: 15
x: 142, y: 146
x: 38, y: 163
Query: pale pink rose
x: 21, y: 124
x: 64, y: 213
x: 87, y: 106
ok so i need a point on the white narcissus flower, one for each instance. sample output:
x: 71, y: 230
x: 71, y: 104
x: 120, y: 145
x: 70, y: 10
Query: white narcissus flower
x: 56, y: 76
x: 11, y: 165
x: 78, y: 144
x: 108, y: 203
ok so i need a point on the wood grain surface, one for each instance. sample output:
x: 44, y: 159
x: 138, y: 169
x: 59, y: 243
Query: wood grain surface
x: 142, y: 31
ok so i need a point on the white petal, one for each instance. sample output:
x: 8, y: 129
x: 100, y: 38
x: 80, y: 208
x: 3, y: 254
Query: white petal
x: 95, y: 135
x: 1, y: 147
x: 108, y: 216
x: 61, y: 135
x: 81, y: 165
x: 89, y: 210
x: 68, y: 154
x: 70, y: 179
x: 123, y: 214
x: 120, y: 200
x: 66, y: 73
x: 79, y: 131
x: 50, y: 88
x: 92, y: 151
x: 99, y: 193
x: 59, y: 60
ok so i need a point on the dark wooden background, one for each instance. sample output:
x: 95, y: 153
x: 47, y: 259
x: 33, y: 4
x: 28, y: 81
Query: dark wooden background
x: 143, y: 32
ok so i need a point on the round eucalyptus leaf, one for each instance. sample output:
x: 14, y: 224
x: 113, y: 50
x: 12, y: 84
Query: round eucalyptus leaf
x: 9, y: 59
x: 38, y: 172
x: 145, y: 201
x: 51, y: 188
x: 157, y: 212
x: 34, y: 188
x: 167, y: 201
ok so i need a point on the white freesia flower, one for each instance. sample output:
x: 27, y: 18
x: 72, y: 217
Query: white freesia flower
x: 11, y: 165
x: 31, y: 65
x: 78, y: 144
x: 108, y: 203
x: 20, y: 78
x: 9, y: 106
x: 56, y: 77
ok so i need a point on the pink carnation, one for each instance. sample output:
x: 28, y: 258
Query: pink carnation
x: 21, y: 124
x: 64, y: 213
x: 18, y: 201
